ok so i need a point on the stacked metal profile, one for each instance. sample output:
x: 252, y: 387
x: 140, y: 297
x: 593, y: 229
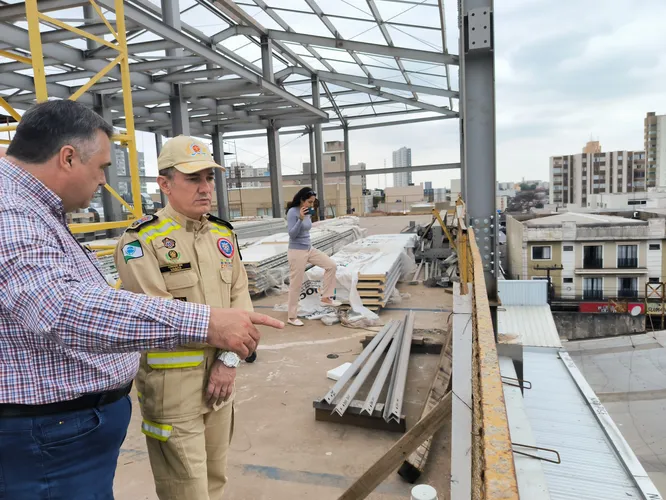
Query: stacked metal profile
x: 248, y: 231
x: 108, y: 267
x: 396, y: 362
x: 376, y: 284
x: 266, y: 261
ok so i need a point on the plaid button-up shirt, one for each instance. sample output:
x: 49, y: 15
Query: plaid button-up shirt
x: 63, y: 331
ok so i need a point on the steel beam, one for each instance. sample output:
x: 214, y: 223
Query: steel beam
x: 347, y: 169
x: 313, y: 164
x: 272, y: 135
x: 156, y: 26
x: 17, y: 11
x: 180, y: 121
x: 367, y: 48
x: 393, y: 408
x: 319, y: 153
x: 139, y: 47
x: 220, y: 178
x: 356, y: 173
x: 158, y: 149
x: 112, y: 208
x: 396, y: 98
x: 477, y: 108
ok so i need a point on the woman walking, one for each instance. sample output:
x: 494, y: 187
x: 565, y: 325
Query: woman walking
x: 299, y: 223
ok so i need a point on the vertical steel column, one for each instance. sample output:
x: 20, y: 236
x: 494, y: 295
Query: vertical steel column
x: 313, y: 161
x: 158, y: 150
x: 180, y: 122
x: 36, y: 54
x: 220, y: 176
x: 477, y: 90
x: 318, y: 152
x: 112, y: 209
x: 347, y: 176
x: 273, y: 136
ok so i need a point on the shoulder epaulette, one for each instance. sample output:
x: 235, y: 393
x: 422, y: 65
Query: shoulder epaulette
x: 219, y: 221
x: 146, y: 219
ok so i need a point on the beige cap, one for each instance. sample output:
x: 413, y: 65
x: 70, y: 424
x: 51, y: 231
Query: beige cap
x: 186, y: 154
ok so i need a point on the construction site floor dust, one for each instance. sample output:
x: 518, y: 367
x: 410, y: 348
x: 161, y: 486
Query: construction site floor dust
x: 279, y: 451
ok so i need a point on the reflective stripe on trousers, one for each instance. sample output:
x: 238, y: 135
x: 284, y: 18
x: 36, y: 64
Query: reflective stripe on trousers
x: 161, y: 432
x: 166, y: 360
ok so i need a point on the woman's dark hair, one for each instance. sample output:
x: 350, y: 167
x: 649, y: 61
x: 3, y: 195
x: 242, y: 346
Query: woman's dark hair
x: 302, y: 195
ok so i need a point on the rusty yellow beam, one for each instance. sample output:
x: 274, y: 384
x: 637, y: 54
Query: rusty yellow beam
x: 499, y: 472
x: 8, y: 128
x: 91, y: 227
x: 435, y: 212
x: 74, y: 29
x: 95, y: 79
x: 34, y: 33
x: 101, y: 15
x: 8, y: 108
x: 16, y: 57
x: 115, y: 194
x: 104, y: 253
x: 5, y: 141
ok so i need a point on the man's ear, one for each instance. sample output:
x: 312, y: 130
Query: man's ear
x: 164, y: 184
x: 65, y: 157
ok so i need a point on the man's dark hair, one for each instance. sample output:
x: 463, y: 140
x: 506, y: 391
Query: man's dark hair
x: 169, y: 172
x: 46, y: 127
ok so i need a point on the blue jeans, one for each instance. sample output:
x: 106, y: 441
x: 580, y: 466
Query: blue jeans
x: 69, y: 456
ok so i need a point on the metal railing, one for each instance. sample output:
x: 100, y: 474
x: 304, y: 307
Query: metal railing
x: 627, y: 263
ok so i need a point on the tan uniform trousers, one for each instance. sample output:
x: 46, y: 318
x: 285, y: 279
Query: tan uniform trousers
x: 298, y: 260
x: 181, y: 470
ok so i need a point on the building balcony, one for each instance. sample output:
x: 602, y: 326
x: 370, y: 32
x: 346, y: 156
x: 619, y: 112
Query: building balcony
x: 610, y: 270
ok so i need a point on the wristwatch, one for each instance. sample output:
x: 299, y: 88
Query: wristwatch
x: 229, y: 359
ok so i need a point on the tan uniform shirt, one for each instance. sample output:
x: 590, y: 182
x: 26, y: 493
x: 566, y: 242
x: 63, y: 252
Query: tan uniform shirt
x: 169, y: 255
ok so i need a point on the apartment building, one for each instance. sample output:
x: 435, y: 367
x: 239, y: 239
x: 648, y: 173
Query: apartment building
x: 237, y: 171
x: 402, y: 158
x: 590, y: 256
x: 655, y: 146
x: 573, y: 178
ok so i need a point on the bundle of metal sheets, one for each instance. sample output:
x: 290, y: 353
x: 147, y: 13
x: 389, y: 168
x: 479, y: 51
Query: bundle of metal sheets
x: 266, y: 260
x: 249, y: 231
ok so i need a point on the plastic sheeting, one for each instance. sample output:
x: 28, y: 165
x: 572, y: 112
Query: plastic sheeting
x: 377, y: 262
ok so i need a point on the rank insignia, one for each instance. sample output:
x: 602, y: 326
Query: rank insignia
x: 169, y: 243
x: 226, y: 247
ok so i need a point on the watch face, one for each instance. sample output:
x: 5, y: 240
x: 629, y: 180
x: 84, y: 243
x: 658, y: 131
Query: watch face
x: 231, y: 359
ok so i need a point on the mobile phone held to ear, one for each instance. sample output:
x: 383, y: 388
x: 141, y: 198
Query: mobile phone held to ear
x: 311, y: 211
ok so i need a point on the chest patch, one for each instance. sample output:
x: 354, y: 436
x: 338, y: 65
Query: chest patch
x: 172, y: 256
x: 169, y: 243
x: 226, y: 247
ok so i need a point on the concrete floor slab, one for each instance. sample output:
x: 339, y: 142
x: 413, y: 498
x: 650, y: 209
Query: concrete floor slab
x: 279, y: 451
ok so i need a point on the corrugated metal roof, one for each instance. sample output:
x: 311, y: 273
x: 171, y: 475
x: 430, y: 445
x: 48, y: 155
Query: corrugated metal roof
x: 561, y: 419
x: 527, y: 325
x: 523, y: 292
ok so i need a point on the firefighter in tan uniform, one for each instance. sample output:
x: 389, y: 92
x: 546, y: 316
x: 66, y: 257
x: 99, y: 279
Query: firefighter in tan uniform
x: 186, y: 395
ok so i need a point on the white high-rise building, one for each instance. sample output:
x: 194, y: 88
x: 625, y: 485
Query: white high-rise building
x: 402, y: 158
x: 574, y: 178
x: 655, y: 148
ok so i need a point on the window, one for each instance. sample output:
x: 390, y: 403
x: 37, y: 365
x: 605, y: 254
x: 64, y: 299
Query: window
x: 655, y: 246
x: 332, y: 158
x: 627, y: 256
x: 627, y: 288
x: 593, y: 288
x: 541, y: 253
x: 568, y: 248
x: 593, y: 257
x: 653, y: 280
x: 567, y: 280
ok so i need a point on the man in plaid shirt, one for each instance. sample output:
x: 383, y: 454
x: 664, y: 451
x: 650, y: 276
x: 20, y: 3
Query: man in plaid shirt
x: 69, y: 343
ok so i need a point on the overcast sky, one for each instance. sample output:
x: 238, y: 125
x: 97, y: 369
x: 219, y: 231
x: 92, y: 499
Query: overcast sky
x: 566, y: 71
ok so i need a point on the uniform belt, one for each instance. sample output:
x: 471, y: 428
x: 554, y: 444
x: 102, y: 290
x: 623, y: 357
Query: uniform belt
x: 85, y: 402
